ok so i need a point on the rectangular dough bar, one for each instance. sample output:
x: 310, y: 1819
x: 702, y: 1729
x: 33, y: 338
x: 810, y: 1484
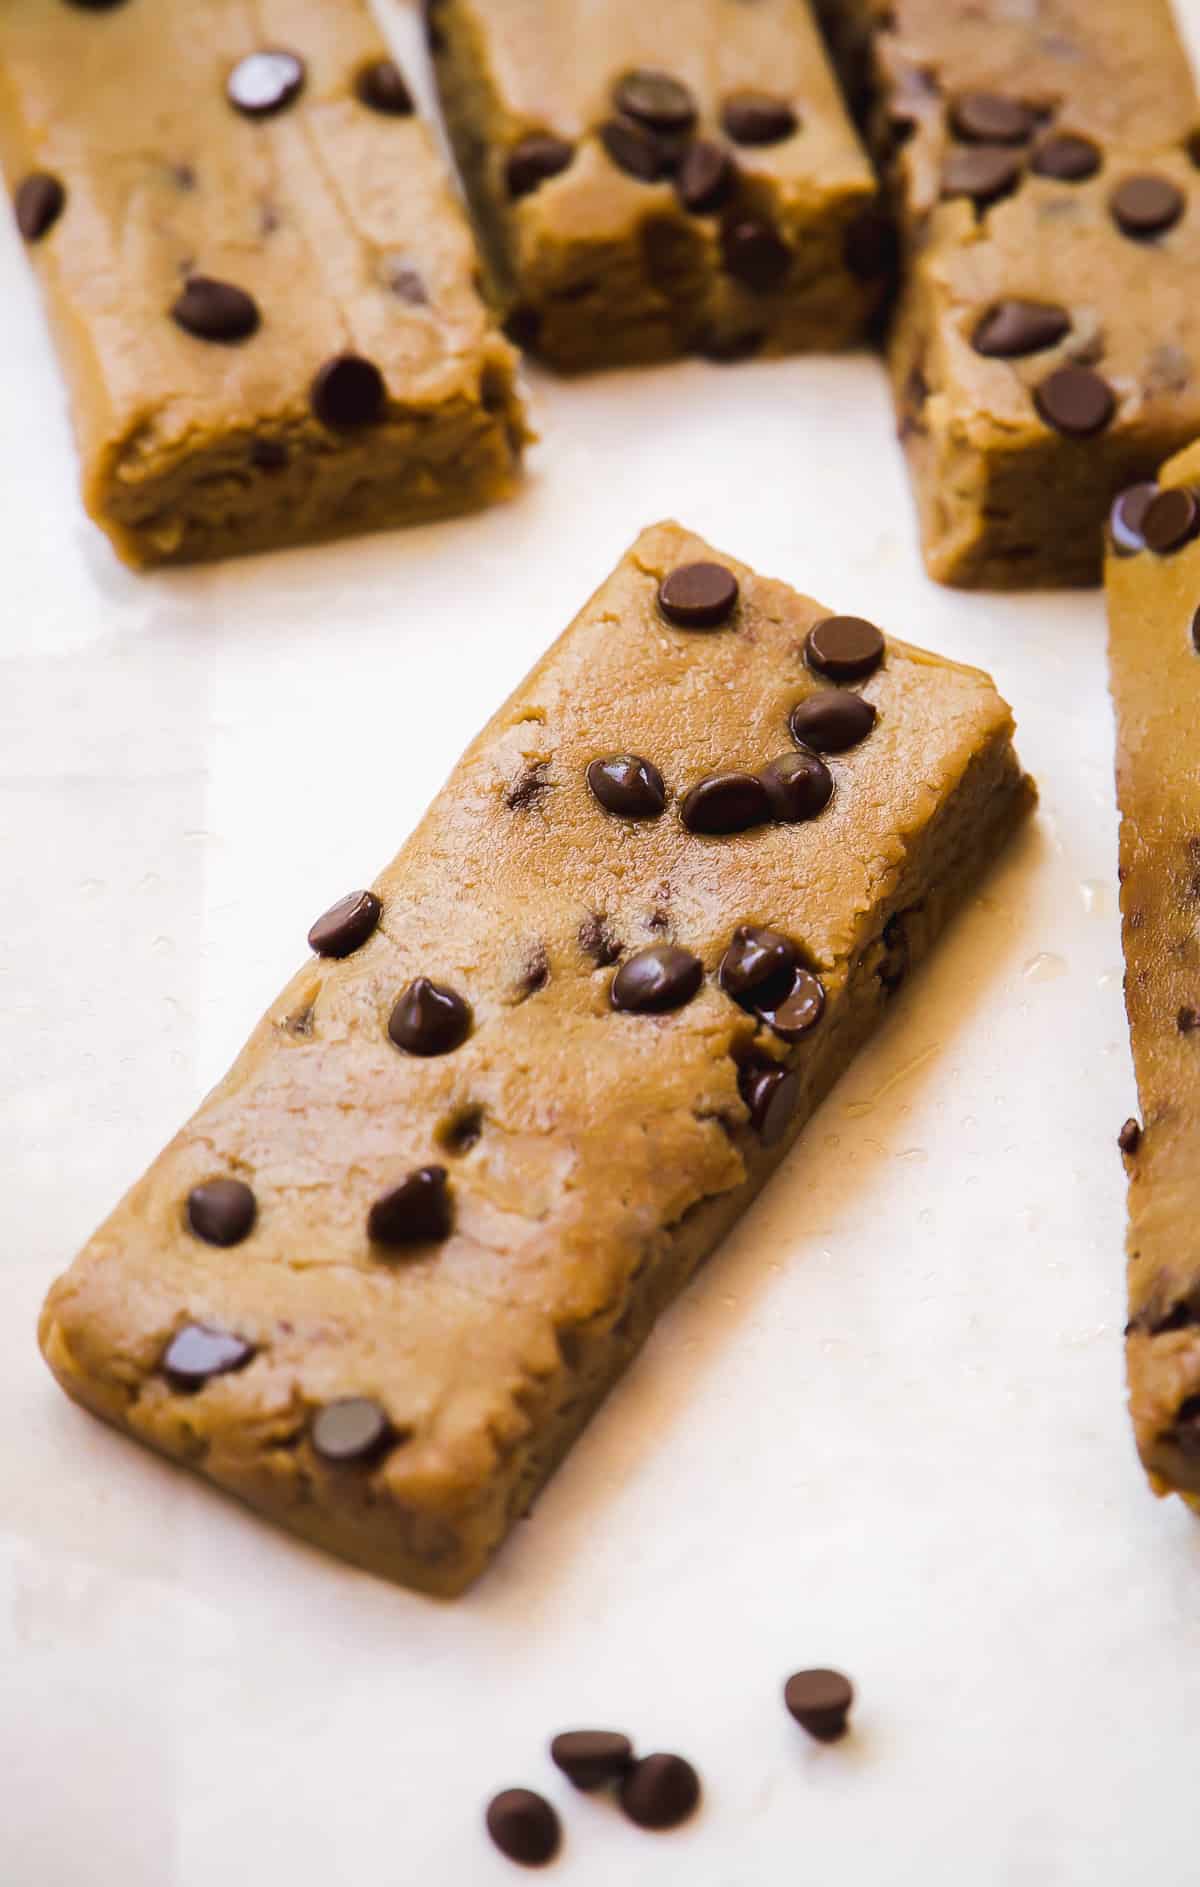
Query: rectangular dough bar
x: 593, y: 1157
x: 338, y: 220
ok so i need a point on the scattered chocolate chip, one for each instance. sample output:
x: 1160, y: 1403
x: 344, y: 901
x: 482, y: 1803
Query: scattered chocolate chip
x: 756, y: 956
x: 1146, y: 206
x: 986, y: 173
x: 726, y: 802
x: 1127, y: 516
x: 590, y: 1758
x: 346, y: 925
x: 755, y: 254
x: 348, y: 392
x: 660, y: 1791
x: 222, y: 1211
x: 832, y: 721
x: 524, y: 1827
x: 635, y: 150
x: 39, y: 202
x: 268, y: 455
x: 698, y: 595
x: 430, y: 1019
x: 1011, y: 329
x: 1130, y: 1137
x: 845, y: 648
x: 655, y: 99
x: 354, y: 1428
x: 628, y: 786
x: 1075, y: 401
x: 597, y: 940
x: 199, y: 1352
x: 705, y: 177
x: 656, y: 979
x: 989, y: 118
x: 871, y: 246
x: 265, y: 82
x: 758, y: 118
x: 772, y: 1095
x: 794, y: 1013
x: 1188, y: 1020
x: 820, y: 1702
x: 534, y: 161
x: 215, y: 311
x: 413, y: 1213
x: 381, y: 86
x: 1067, y: 158
x: 799, y: 786
x: 1171, y: 519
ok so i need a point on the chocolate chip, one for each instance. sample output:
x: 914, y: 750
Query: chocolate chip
x: 523, y: 325
x: 1130, y: 1137
x: 1196, y: 631
x: 706, y: 177
x: 222, y: 1211
x: 1186, y: 1431
x: 528, y: 787
x: 985, y: 174
x: 755, y: 254
x: 799, y: 786
x: 354, y: 1428
x: 870, y: 245
x: 1146, y: 206
x: 656, y: 979
x: 413, y: 1213
x: 846, y: 648
x: 348, y: 392
x: 1014, y: 328
x: 1067, y: 158
x: 756, y: 956
x: 1075, y: 401
x: 199, y: 1352
x: 265, y: 82
x: 407, y: 284
x: 758, y: 118
x: 524, y: 1827
x: 1171, y: 519
x: 897, y: 956
x: 39, y: 202
x: 346, y: 925
x: 215, y: 311
x: 1127, y: 516
x: 793, y: 1014
x: 820, y: 1702
x: 636, y: 150
x: 698, y: 595
x: 381, y: 86
x: 832, y: 722
x: 430, y: 1019
x: 711, y: 344
x: 1188, y: 1020
x: 660, y: 1791
x: 772, y: 1095
x: 597, y: 940
x: 989, y: 118
x: 655, y: 99
x: 627, y: 785
x: 726, y: 802
x: 95, y: 6
x: 534, y: 161
x: 590, y: 1758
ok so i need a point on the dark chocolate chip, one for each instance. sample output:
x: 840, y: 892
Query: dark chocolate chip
x: 598, y: 941
x: 346, y: 925
x: 1067, y: 158
x: 215, y: 311
x: 1127, y: 516
x: 706, y: 177
x: 989, y: 118
x: 413, y: 1213
x: 1186, y: 1431
x: 655, y: 99
x: 407, y: 284
x: 1171, y: 520
x: 660, y: 1791
x: 354, y: 1428
x: 222, y: 1211
x: 755, y: 254
x: 1011, y: 329
x: 348, y: 392
x: 627, y: 785
x: 534, y: 161
x: 95, y: 6
x: 711, y: 344
x: 757, y: 955
x: 985, y: 173
x: 381, y: 86
x: 799, y: 786
x: 199, y: 1352
x: 535, y: 973
x: 846, y: 648
x: 1130, y: 1137
x: 528, y: 787
x: 265, y: 82
x: 1196, y: 631
x: 871, y: 246
x: 698, y: 595
x: 897, y: 956
x: 772, y: 1095
x: 758, y: 118
x: 656, y: 979
x: 590, y: 1758
x: 430, y: 1019
x: 1075, y: 401
x: 523, y: 325
x: 1146, y: 206
x: 635, y: 150
x: 39, y: 202
x: 524, y: 1827
x: 792, y: 1014
x: 268, y: 455
x: 831, y: 721
x: 726, y: 802
x: 820, y: 1702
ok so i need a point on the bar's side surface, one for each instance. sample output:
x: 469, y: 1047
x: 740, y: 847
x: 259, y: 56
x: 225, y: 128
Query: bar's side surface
x: 593, y: 1156
x: 335, y: 217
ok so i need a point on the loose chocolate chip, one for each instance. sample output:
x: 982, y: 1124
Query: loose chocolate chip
x: 1171, y: 519
x: 413, y: 1213
x: 1067, y: 158
x: 39, y: 202
x: 430, y: 1019
x: 698, y: 595
x: 799, y: 786
x: 799, y: 1009
x: 215, y: 311
x: 1127, y: 516
x: 1075, y: 401
x: 772, y: 1095
x: 1130, y: 1137
x: 524, y: 1827
x: 706, y: 177
x: 265, y: 82
x: 354, y: 1428
x: 627, y: 785
x: 656, y: 979
x: 199, y: 1352
x: 832, y: 722
x: 756, y: 956
x: 755, y: 254
x: 635, y: 150
x: 268, y: 455
x: 222, y: 1211
x: 534, y: 161
x: 846, y: 648
x: 660, y: 1791
x: 590, y: 1758
x: 985, y: 173
x: 871, y: 246
x: 758, y: 118
x: 655, y: 99
x: 1011, y: 329
x: 381, y: 86
x: 820, y: 1702
x: 1146, y: 206
x: 348, y: 392
x: 346, y: 925
x: 726, y: 802
x: 988, y: 118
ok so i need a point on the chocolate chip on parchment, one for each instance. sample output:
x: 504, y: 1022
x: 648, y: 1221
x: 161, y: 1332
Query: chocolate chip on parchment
x: 1011, y: 329
x: 751, y: 117
x: 792, y: 1014
x: 990, y: 118
x: 772, y: 1095
x: 222, y: 1211
x: 754, y: 253
x: 1066, y: 157
x: 1130, y: 1137
x: 698, y: 595
x: 985, y: 173
x: 845, y: 648
x: 534, y: 161
x: 705, y: 177
x: 657, y: 979
x: 382, y: 87
x: 655, y: 99
x: 590, y: 1758
x: 1075, y: 401
x: 1146, y: 205
x: 265, y: 82
x: 636, y: 150
x: 416, y: 1212
x: 38, y: 203
x: 660, y: 1791
x: 213, y: 310
x: 627, y: 785
x: 524, y: 1826
x: 1127, y: 516
x: 199, y: 1352
x: 354, y: 1428
x: 726, y: 802
x: 799, y: 786
x: 832, y: 721
x: 756, y: 956
x: 1171, y: 519
x: 346, y: 925
x: 348, y: 392
x: 820, y: 1702
x: 430, y: 1019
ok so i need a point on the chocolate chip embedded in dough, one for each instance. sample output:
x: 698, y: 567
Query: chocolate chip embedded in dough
x: 799, y: 786
x: 1075, y: 401
x: 755, y: 254
x: 222, y: 1211
x: 725, y: 803
x: 772, y: 1095
x: 199, y: 1352
x: 698, y: 595
x: 756, y: 956
x: 985, y: 173
x: 832, y: 721
x: 382, y: 87
x: 534, y: 161
x: 430, y: 1019
x: 524, y: 1826
x: 845, y: 648
x: 820, y: 1702
x: 346, y: 925
x: 705, y: 177
x: 1171, y: 520
x: 38, y: 203
x: 991, y: 118
x: 656, y: 99
x: 793, y: 1014
x: 1127, y: 516
x: 1187, y: 1021
x: 660, y: 1791
x: 348, y: 392
x: 1146, y: 205
x: 265, y: 82
x: 751, y: 117
x: 213, y: 310
x: 636, y: 150
x: 1067, y: 158
x: 870, y: 245
x: 416, y: 1212
x: 628, y: 786
x: 351, y: 1429
x: 660, y: 978
x: 1011, y: 329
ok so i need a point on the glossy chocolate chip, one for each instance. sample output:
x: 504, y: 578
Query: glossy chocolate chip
x: 655, y: 99
x: 1075, y: 401
x: 1127, y: 516
x: 636, y: 150
x: 416, y: 1212
x: 726, y: 802
x: 354, y: 1428
x: 382, y: 87
x: 1146, y: 206
x: 845, y: 648
x: 534, y: 161
x: 1067, y: 158
x: 990, y: 118
x: 758, y: 118
x: 656, y: 979
x: 755, y: 254
x: 756, y: 956
x: 222, y: 1211
x: 772, y: 1095
x: 1130, y: 1137
x: 820, y: 1702
x: 1172, y: 519
x: 215, y: 311
x: 430, y: 1019
x: 346, y: 925
x: 799, y: 786
x: 265, y: 82
x: 524, y: 1827
x: 660, y: 1791
x: 985, y: 173
x: 199, y: 1352
x: 698, y: 595
x: 590, y: 1758
x: 705, y: 177
x: 38, y: 203
x: 832, y: 721
x: 348, y: 392
x: 792, y: 1014
x: 628, y: 786
x: 1011, y: 329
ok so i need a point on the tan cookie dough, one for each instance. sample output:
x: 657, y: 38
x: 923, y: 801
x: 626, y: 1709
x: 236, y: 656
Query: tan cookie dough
x: 139, y: 184
x: 727, y: 211
x: 563, y: 1164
